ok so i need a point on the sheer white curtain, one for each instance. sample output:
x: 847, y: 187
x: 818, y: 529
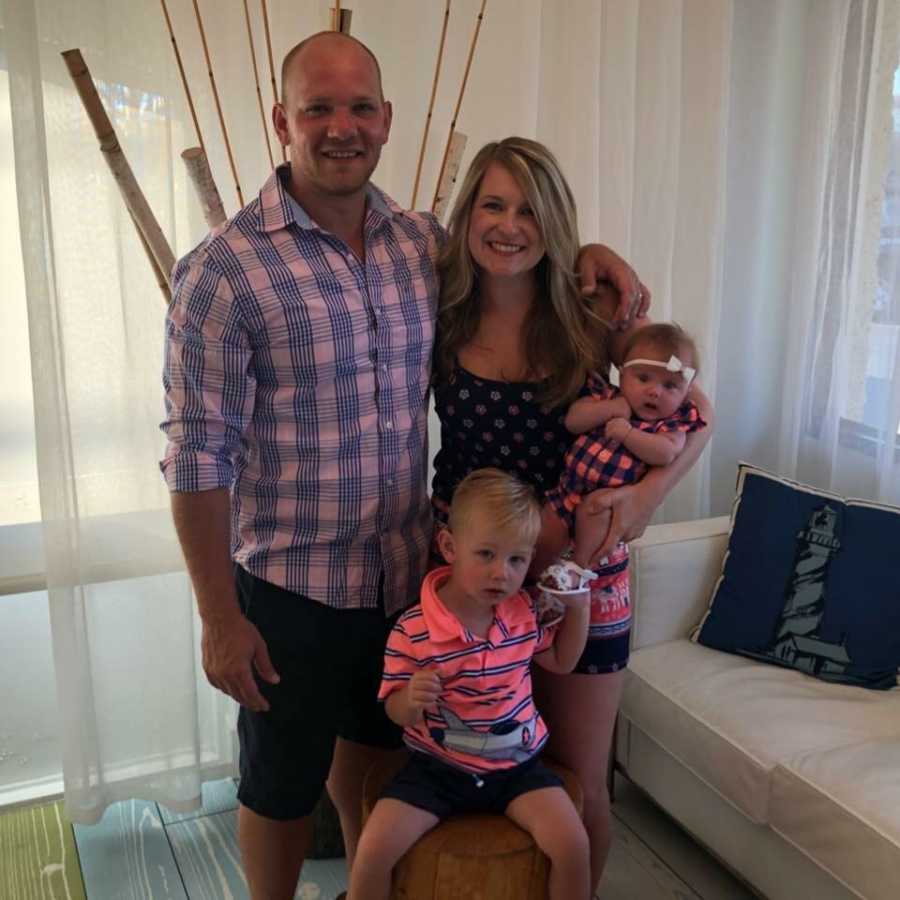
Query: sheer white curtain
x: 634, y: 100
x: 842, y: 368
x: 137, y: 717
x: 736, y: 153
x: 733, y: 150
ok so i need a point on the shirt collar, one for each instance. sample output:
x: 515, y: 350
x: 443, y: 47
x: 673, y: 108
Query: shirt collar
x: 278, y: 208
x: 443, y: 626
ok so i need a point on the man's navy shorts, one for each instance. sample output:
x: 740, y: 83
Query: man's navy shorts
x: 330, y: 662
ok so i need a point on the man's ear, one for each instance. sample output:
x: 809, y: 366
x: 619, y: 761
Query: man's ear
x: 279, y: 120
x: 446, y: 544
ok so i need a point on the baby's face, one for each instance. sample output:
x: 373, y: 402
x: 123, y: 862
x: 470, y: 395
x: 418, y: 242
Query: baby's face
x: 652, y: 392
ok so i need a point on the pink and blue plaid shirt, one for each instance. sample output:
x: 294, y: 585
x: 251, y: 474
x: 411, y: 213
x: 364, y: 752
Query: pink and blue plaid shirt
x: 298, y: 377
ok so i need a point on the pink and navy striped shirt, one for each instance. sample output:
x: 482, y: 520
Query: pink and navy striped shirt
x: 486, y: 717
x: 297, y: 376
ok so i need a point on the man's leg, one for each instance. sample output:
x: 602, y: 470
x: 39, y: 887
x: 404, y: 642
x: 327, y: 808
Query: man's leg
x: 349, y: 766
x: 272, y: 852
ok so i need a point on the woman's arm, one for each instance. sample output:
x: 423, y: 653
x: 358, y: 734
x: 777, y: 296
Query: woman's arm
x: 633, y: 506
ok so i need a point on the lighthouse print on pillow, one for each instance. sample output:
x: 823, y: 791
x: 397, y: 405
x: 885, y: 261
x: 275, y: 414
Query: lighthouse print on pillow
x: 811, y: 581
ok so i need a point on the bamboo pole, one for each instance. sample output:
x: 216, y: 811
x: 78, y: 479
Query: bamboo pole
x: 262, y: 112
x: 451, y: 170
x: 158, y: 274
x: 212, y: 82
x: 201, y: 178
x: 265, y: 16
x: 136, y: 203
x: 336, y: 16
x: 434, y: 84
x: 459, y: 100
x: 184, y: 81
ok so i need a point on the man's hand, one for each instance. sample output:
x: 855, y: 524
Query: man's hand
x: 423, y: 692
x: 232, y: 648
x: 617, y: 429
x: 597, y: 263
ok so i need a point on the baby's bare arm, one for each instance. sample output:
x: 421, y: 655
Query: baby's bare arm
x: 653, y: 449
x: 588, y: 413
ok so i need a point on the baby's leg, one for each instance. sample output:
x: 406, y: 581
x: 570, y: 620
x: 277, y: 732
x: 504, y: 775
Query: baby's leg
x: 550, y: 818
x: 591, y: 529
x: 390, y: 831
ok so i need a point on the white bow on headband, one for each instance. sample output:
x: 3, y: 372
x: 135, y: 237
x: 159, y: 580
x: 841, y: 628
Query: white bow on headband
x: 673, y: 365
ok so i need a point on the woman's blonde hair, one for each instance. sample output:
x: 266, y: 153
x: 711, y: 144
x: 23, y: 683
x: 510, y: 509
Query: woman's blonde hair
x: 564, y: 338
x: 511, y: 505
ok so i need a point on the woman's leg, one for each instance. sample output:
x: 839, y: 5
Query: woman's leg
x: 390, y: 831
x: 551, y: 819
x: 580, y: 711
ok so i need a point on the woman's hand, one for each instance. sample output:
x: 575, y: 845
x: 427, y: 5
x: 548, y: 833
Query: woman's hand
x: 631, y: 508
x: 597, y: 263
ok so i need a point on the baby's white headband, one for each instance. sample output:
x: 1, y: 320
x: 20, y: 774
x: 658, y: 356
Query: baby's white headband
x: 673, y: 365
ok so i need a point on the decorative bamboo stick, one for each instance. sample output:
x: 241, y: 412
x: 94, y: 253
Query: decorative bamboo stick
x: 434, y: 84
x: 459, y: 100
x: 184, y: 81
x: 336, y: 16
x: 151, y: 234
x: 265, y: 16
x: 161, y: 279
x: 201, y: 178
x: 451, y: 170
x: 212, y: 82
x: 262, y: 112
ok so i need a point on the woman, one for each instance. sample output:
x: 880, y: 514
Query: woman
x: 516, y: 341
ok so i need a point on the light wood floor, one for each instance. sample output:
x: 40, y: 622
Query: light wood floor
x: 141, y: 851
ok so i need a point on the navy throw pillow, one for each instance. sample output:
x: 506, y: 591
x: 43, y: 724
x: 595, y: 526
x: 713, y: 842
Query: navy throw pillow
x: 810, y: 581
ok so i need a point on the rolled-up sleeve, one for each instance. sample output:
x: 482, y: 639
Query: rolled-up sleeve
x: 207, y: 377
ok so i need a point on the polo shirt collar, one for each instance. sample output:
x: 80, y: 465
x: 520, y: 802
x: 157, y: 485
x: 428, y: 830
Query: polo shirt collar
x: 278, y: 209
x: 443, y: 626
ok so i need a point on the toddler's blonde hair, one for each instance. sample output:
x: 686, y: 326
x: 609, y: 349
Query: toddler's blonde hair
x: 510, y: 504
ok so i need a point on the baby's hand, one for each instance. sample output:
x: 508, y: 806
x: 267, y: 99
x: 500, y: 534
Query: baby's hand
x: 617, y: 429
x: 423, y: 691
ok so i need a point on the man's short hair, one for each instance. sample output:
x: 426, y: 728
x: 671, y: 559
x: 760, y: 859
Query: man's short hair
x: 295, y: 51
x: 510, y: 504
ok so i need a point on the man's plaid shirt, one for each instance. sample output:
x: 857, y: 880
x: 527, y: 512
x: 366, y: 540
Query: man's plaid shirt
x: 298, y: 377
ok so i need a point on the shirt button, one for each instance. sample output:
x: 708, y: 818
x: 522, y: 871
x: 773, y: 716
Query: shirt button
x: 389, y: 425
x: 383, y: 367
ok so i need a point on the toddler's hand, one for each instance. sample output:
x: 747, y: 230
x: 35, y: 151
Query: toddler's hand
x: 424, y: 690
x: 617, y: 429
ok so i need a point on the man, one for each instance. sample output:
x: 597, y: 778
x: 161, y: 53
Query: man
x: 297, y: 370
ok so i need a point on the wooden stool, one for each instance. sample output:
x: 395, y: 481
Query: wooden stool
x: 470, y: 857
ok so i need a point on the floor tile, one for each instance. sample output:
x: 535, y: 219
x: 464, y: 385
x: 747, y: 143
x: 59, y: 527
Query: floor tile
x: 674, y: 847
x: 207, y: 852
x: 126, y: 855
x: 39, y: 860
x: 216, y: 797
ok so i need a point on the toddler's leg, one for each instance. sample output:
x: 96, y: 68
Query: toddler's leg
x: 551, y: 819
x: 390, y: 831
x: 590, y: 532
